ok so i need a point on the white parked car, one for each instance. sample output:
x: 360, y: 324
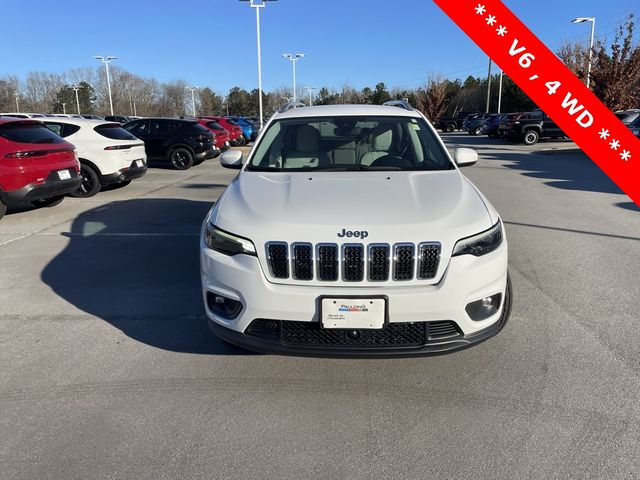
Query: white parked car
x: 350, y: 231
x: 23, y: 115
x: 108, y: 154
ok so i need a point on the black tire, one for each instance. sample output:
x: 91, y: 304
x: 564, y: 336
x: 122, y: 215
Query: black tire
x: 48, y: 202
x: 530, y: 137
x: 3, y: 209
x: 90, y: 185
x: 451, y: 128
x: 241, y: 141
x: 181, y: 158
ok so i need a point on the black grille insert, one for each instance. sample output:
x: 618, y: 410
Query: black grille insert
x: 328, y: 263
x: 353, y: 263
x: 278, y: 259
x: 429, y: 255
x: 302, y: 261
x: 414, y: 334
x: 378, y: 263
x: 403, y: 262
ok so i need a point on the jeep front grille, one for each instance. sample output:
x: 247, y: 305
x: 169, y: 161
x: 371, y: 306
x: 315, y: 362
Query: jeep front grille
x: 353, y: 262
x: 278, y: 256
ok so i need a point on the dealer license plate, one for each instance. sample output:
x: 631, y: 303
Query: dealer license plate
x: 64, y: 174
x: 139, y: 163
x: 360, y: 313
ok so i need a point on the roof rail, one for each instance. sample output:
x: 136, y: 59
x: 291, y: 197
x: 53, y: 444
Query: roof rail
x: 290, y: 106
x: 400, y: 104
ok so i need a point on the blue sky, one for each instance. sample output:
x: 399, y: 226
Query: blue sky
x: 213, y: 43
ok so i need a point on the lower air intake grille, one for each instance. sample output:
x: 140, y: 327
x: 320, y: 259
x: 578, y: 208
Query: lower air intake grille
x: 393, y: 334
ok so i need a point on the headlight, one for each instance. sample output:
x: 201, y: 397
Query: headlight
x: 480, y: 244
x: 226, y: 243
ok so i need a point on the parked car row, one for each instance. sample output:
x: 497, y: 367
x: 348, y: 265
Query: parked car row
x: 46, y: 157
x: 525, y: 127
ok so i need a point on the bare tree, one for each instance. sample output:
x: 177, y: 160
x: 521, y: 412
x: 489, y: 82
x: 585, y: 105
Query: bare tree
x: 9, y: 87
x: 576, y: 57
x: 616, y: 75
x: 432, y: 101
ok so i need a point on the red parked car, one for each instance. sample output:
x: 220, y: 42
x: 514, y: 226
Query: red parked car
x: 222, y: 136
x: 235, y: 130
x: 36, y: 165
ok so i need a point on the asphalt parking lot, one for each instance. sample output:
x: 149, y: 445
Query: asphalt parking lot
x: 109, y: 371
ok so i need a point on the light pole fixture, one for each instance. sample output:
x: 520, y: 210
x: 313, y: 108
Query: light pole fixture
x: 64, y: 108
x: 489, y: 86
x: 310, y: 90
x: 258, y: 4
x: 294, y: 59
x: 193, y: 99
x: 76, y: 88
x: 17, y: 95
x: 593, y: 32
x: 107, y: 60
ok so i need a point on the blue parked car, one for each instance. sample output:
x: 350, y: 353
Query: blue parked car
x: 248, y: 129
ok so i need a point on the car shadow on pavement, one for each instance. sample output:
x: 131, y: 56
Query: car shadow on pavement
x: 565, y: 170
x: 135, y: 264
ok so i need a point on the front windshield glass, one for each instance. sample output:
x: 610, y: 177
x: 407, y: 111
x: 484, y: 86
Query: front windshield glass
x: 350, y: 143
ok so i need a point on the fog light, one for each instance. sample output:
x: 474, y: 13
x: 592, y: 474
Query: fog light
x: 485, y: 308
x: 223, y: 306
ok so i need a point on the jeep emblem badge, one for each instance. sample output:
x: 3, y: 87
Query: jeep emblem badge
x: 353, y: 233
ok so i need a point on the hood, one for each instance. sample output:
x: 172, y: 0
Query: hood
x: 317, y: 207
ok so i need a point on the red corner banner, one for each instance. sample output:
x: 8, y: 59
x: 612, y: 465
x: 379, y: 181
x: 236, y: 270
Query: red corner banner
x: 553, y: 87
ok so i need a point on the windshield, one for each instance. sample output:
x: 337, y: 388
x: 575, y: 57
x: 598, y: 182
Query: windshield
x: 350, y: 143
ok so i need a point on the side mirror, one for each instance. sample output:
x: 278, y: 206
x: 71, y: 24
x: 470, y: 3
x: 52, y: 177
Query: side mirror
x: 465, y: 157
x: 231, y: 159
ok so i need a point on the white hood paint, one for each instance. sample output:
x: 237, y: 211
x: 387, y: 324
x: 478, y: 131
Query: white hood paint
x: 314, y: 207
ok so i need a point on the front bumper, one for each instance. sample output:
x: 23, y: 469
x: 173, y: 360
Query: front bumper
x: 466, y: 280
x: 51, y: 187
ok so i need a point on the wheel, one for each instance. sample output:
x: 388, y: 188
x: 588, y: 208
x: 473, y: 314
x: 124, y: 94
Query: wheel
x: 241, y: 141
x: 48, y: 202
x: 90, y: 185
x: 181, y: 159
x: 3, y: 209
x: 530, y: 137
x: 478, y: 130
x: 451, y: 128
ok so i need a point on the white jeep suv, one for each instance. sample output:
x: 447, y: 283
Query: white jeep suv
x: 350, y: 231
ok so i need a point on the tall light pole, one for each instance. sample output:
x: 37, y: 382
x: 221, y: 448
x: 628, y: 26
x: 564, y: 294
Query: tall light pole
x: 294, y: 59
x: 500, y: 92
x: 76, y: 88
x: 311, y: 90
x: 64, y: 108
x: 17, y: 95
x: 489, y: 86
x: 193, y: 99
x: 107, y: 61
x: 258, y: 4
x: 593, y: 32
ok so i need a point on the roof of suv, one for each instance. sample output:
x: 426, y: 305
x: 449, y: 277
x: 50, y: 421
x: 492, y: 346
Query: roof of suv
x: 347, y: 110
